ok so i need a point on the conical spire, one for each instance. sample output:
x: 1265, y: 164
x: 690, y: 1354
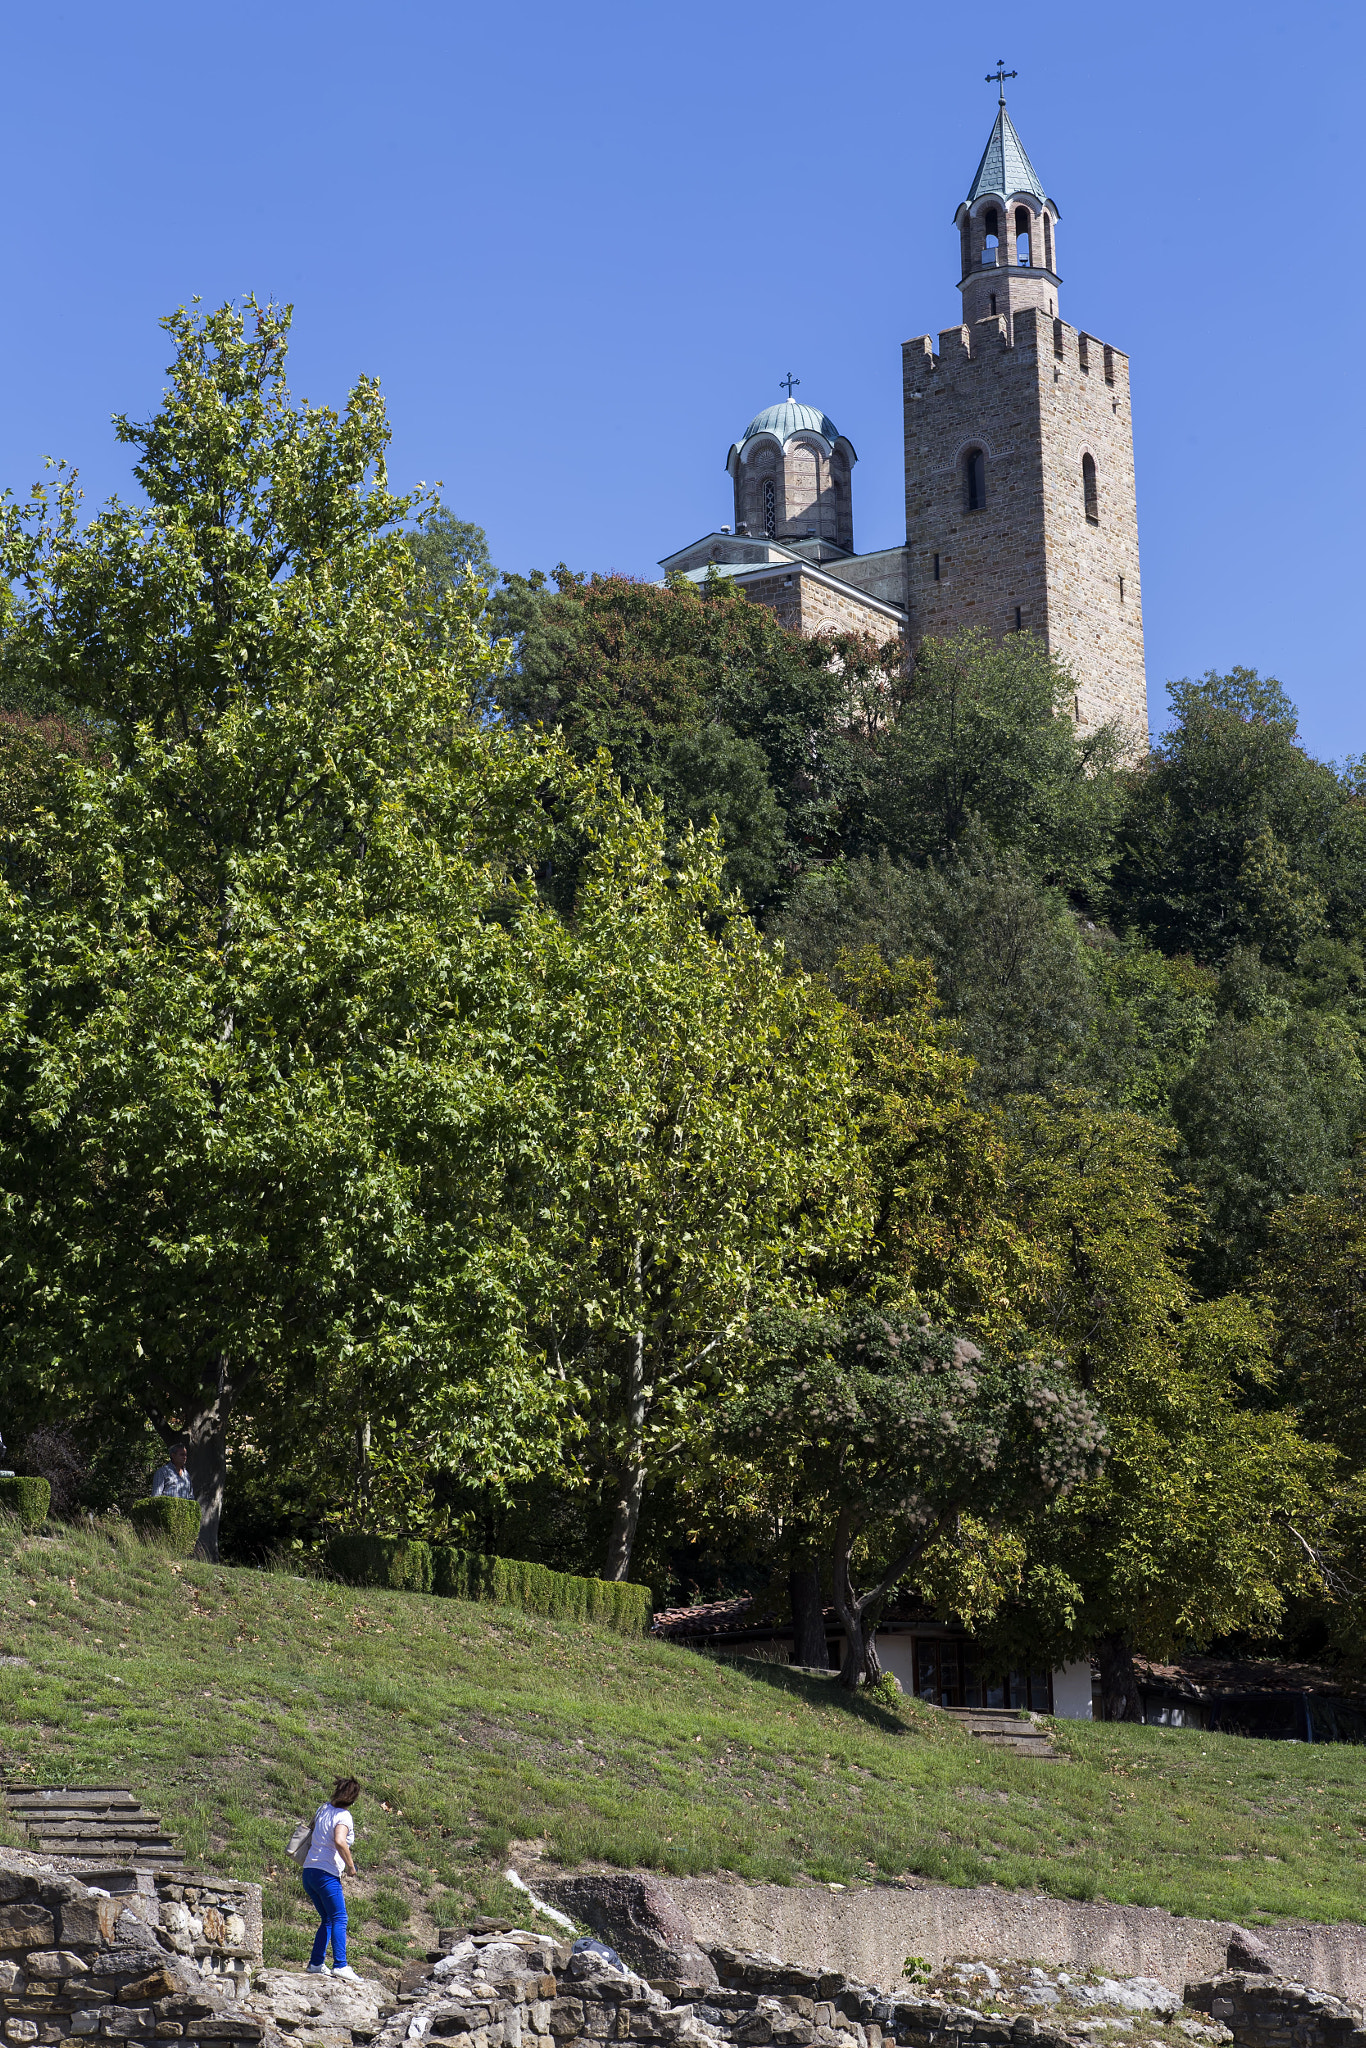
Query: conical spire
x: 1005, y: 168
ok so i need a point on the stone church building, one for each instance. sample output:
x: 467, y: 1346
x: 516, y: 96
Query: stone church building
x: 1020, y: 503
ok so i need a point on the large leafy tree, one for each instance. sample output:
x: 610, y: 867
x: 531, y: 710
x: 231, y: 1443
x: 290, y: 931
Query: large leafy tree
x: 1187, y: 1533
x: 699, y: 696
x: 716, y: 1162
x: 269, y: 1075
x: 982, y: 739
x: 884, y: 1431
x: 1268, y: 1109
x: 1234, y: 836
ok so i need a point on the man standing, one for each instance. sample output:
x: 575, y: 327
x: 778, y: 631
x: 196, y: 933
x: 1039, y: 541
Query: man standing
x: 171, y: 1477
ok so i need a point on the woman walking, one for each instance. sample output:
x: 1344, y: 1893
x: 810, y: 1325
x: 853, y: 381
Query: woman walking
x: 329, y: 1855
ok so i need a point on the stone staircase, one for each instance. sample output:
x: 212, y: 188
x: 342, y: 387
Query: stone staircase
x: 100, y: 1821
x: 1002, y: 1728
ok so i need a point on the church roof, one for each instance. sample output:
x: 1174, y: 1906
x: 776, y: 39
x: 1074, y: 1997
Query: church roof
x: 787, y: 419
x: 1004, y: 167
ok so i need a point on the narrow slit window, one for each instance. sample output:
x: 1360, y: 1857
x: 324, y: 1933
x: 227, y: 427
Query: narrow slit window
x: 1109, y: 364
x: 993, y: 302
x: 1121, y: 585
x: 936, y: 575
x: 975, y: 479
x: 1088, y: 490
x: 1057, y: 338
x: 1019, y: 618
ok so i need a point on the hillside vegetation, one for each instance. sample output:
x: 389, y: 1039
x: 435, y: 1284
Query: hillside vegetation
x: 227, y: 1698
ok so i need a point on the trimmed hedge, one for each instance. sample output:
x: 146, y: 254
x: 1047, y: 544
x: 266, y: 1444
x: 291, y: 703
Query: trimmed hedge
x: 413, y: 1567
x: 29, y: 1499
x: 167, y: 1515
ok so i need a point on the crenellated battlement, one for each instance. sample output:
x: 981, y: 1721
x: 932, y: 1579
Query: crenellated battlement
x: 1035, y: 335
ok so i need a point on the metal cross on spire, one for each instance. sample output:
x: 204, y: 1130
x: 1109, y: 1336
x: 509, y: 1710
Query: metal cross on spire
x: 789, y: 382
x: 999, y: 77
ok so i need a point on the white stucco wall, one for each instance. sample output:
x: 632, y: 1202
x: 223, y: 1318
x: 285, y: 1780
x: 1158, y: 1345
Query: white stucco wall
x: 1072, y: 1692
x: 894, y: 1655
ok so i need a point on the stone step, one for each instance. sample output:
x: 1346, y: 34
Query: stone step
x: 88, y: 1821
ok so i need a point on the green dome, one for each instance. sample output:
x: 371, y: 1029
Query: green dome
x: 787, y: 419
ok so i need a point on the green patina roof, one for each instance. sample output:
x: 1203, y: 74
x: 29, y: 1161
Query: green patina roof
x: 787, y: 419
x: 1004, y: 167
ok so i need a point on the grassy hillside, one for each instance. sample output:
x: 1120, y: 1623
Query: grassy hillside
x: 227, y: 1699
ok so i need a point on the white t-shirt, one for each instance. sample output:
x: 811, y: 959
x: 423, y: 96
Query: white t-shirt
x: 323, y: 1853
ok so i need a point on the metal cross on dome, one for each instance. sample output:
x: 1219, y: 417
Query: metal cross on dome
x: 788, y: 383
x: 999, y: 77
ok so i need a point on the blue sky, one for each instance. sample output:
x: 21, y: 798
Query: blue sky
x: 579, y: 246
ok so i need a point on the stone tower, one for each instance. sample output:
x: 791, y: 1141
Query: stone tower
x: 792, y: 474
x: 1020, y: 503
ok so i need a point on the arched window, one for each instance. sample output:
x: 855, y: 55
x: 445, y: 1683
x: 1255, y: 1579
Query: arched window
x: 1023, y: 222
x: 770, y: 508
x: 975, y: 480
x: 1088, y: 489
x: 991, y: 229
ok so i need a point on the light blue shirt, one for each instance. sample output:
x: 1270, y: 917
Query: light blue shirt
x: 168, y: 1480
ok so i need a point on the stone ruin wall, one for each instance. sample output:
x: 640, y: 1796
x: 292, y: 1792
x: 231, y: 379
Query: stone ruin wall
x: 177, y: 1958
x: 164, y: 1957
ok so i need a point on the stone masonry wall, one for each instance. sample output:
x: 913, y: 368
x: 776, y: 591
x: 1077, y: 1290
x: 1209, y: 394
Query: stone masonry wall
x: 517, y: 1990
x: 1268, y: 2012
x: 1029, y: 556
x: 140, y: 1966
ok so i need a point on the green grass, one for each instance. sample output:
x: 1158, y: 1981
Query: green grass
x: 227, y: 1699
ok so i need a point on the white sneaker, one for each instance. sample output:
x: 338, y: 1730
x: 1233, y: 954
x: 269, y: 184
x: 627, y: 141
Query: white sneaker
x: 348, y: 1973
x: 318, y: 1970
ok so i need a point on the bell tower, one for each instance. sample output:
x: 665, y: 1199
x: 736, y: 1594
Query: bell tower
x: 1007, y: 230
x: 1021, y: 512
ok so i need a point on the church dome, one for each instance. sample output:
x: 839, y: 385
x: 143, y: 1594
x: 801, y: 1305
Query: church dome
x: 787, y: 419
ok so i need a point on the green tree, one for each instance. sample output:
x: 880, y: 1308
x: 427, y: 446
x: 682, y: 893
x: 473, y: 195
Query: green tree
x: 983, y: 736
x: 1268, y: 1109
x: 884, y: 1431
x: 694, y: 692
x: 1233, y: 836
x: 1313, y: 1276
x: 1009, y: 965
x: 709, y: 1093
x: 1185, y: 1535
x: 269, y: 1073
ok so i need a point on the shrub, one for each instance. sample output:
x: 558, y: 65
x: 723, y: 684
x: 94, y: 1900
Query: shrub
x: 399, y: 1562
x: 512, y: 1582
x: 406, y: 1566
x: 168, y: 1516
x: 27, y: 1498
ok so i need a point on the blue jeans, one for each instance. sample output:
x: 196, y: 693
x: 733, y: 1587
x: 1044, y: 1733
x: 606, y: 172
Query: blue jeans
x: 326, y: 1893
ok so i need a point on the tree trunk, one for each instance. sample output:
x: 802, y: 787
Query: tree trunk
x: 808, y: 1614
x: 631, y: 1471
x: 860, y: 1665
x: 625, y: 1519
x: 1119, y: 1700
x: 205, y: 1432
x: 207, y: 1467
